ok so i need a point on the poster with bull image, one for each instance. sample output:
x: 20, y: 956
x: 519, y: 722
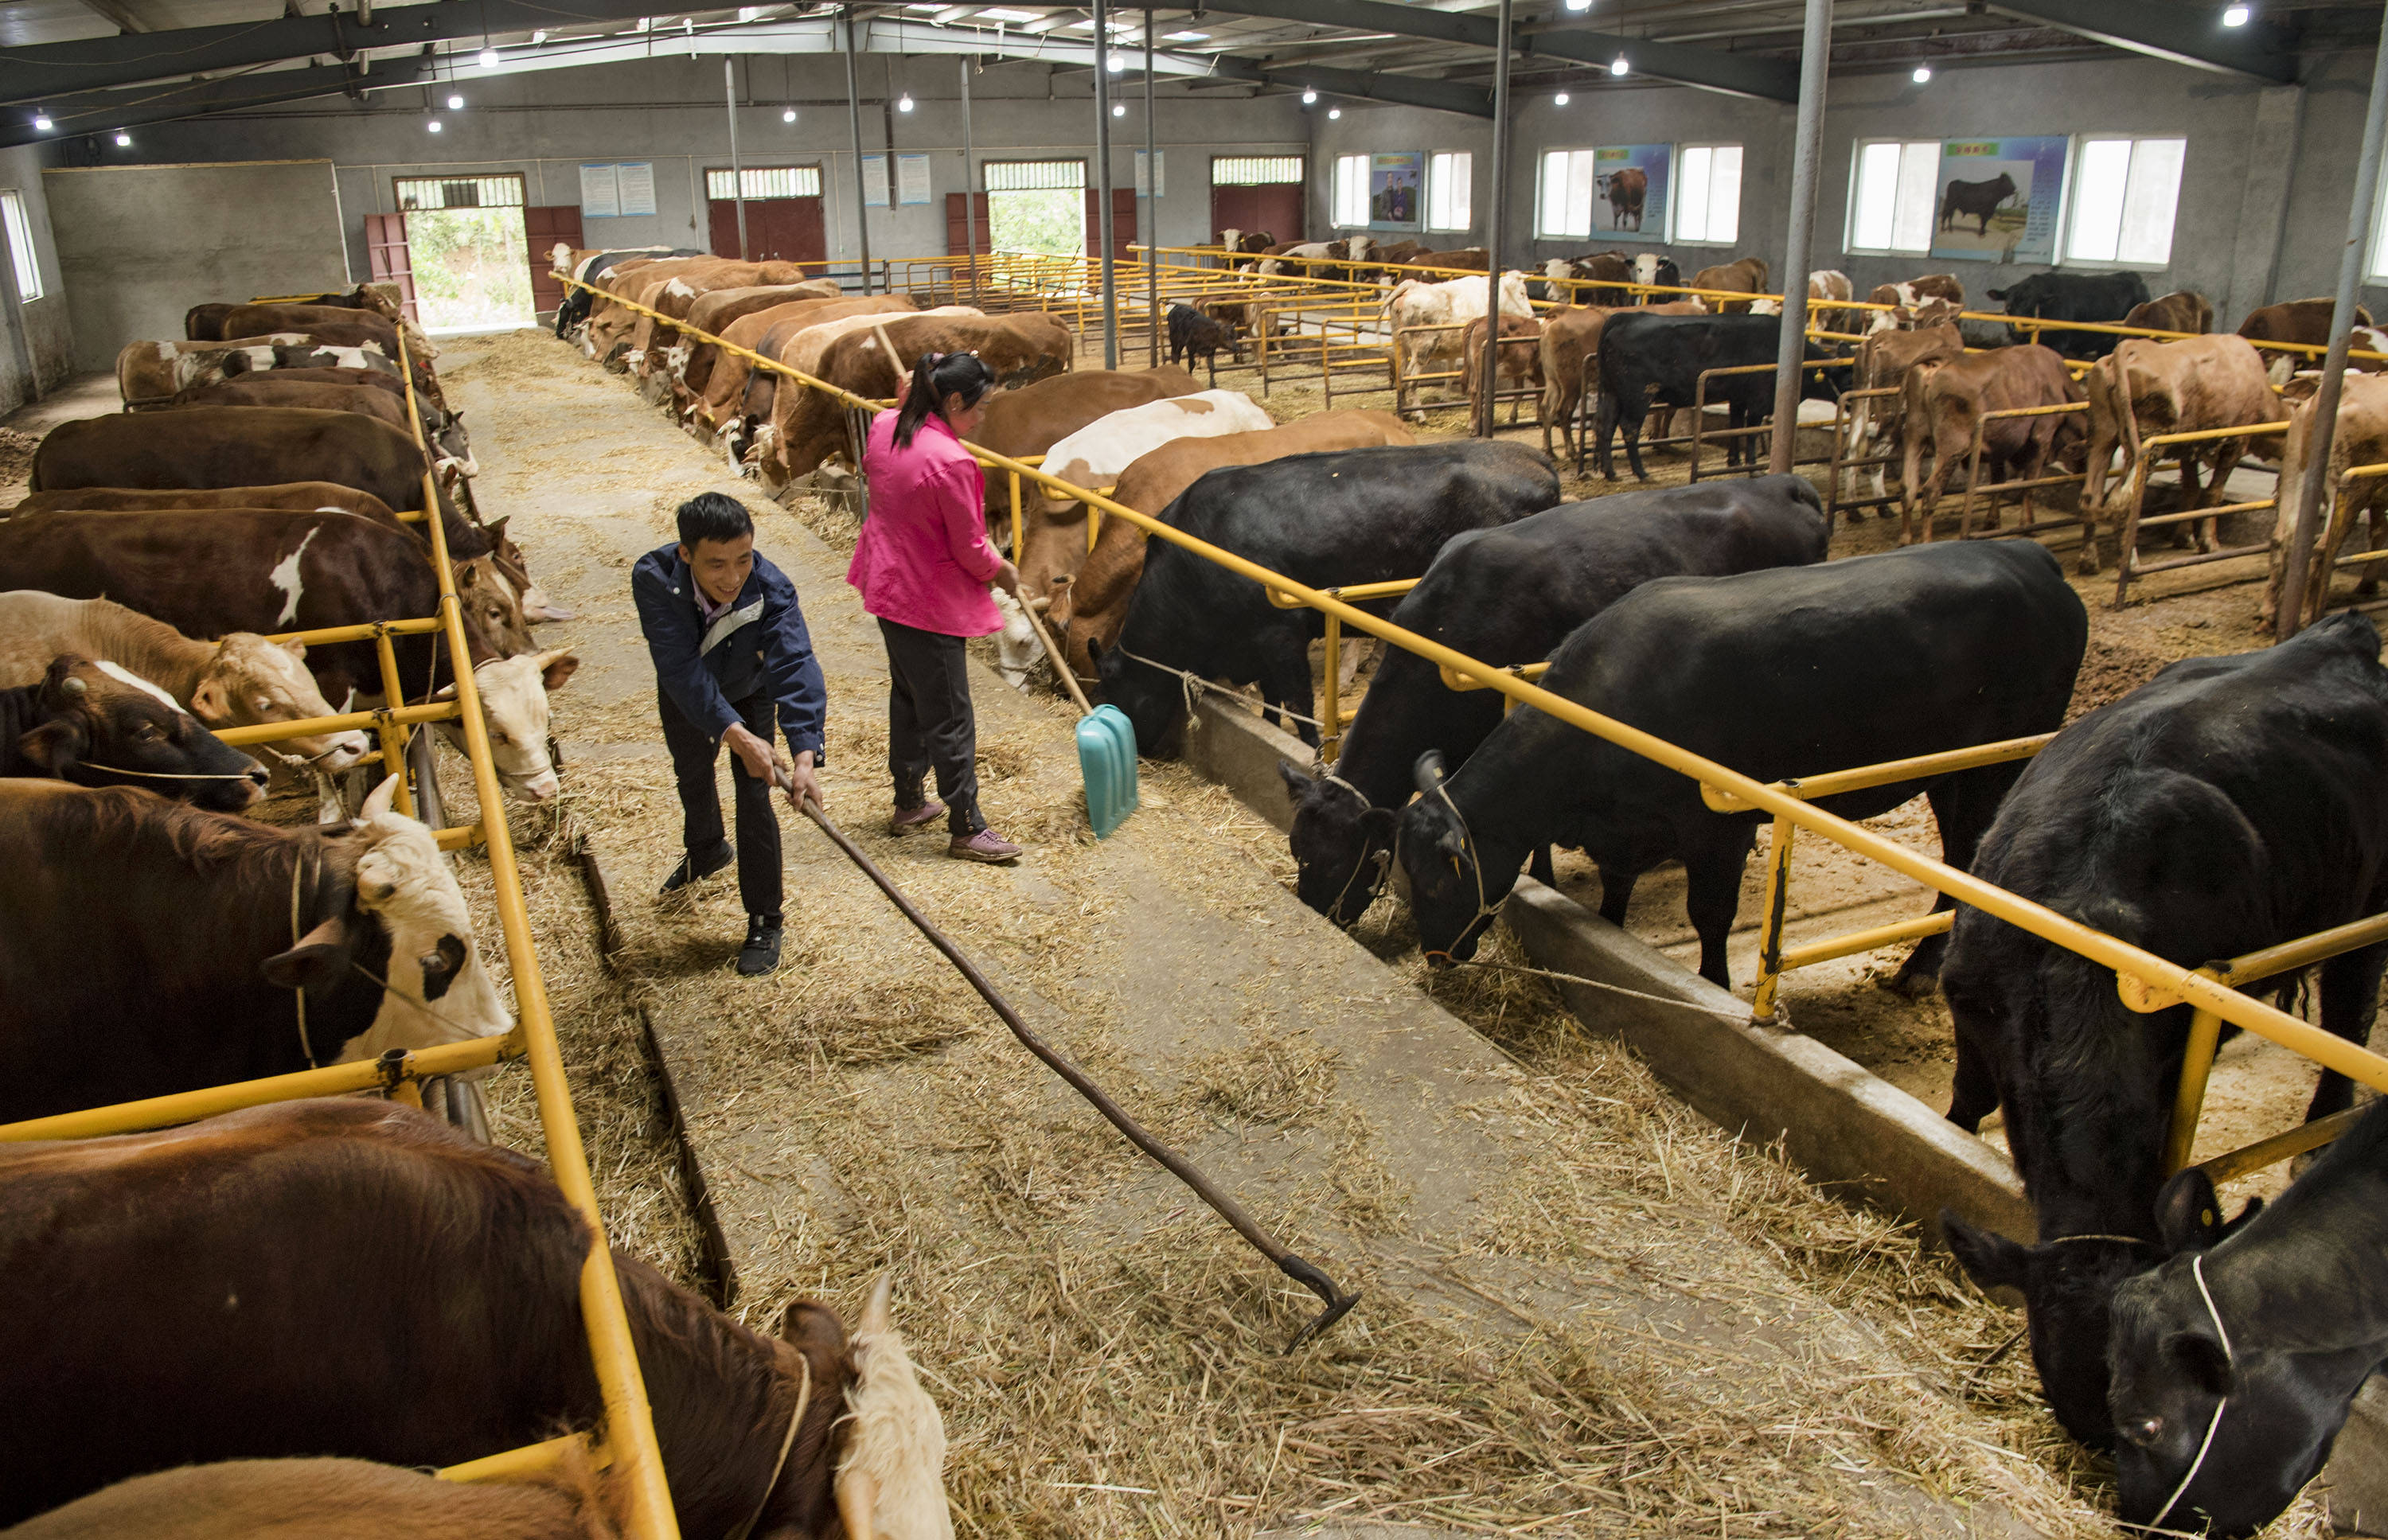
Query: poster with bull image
x: 1396, y: 184
x: 1999, y: 198
x: 1630, y: 185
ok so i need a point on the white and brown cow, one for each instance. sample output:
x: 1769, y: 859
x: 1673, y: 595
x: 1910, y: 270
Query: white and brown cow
x: 2144, y: 387
x: 1929, y: 300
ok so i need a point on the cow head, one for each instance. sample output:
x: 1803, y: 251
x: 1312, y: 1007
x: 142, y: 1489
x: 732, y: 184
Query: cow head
x: 1340, y: 844
x: 515, y: 711
x: 448, y: 436
x: 1450, y: 885
x: 891, y: 1477
x: 2068, y: 1287
x: 1153, y: 701
x: 103, y: 725
x: 493, y: 612
x: 251, y: 681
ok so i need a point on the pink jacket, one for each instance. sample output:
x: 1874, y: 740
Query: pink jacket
x: 923, y: 560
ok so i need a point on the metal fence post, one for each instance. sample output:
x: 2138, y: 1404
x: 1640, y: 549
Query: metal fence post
x: 1815, y: 54
x: 970, y: 194
x: 1496, y: 231
x: 1103, y: 179
x: 737, y: 176
x: 854, y: 128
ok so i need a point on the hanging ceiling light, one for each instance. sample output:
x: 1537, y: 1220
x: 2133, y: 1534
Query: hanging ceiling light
x: 1310, y: 98
x: 1119, y: 109
x: 455, y: 103
x: 123, y: 139
x: 1922, y: 73
x: 787, y: 115
x: 41, y: 122
x: 538, y: 37
x: 1115, y: 64
x: 904, y: 103
x: 1333, y: 113
x: 488, y: 57
x: 1619, y: 67
x: 1559, y: 100
x: 433, y: 125
x: 2236, y: 15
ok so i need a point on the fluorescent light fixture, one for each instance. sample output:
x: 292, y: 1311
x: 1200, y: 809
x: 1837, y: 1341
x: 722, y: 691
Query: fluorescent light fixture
x: 1004, y: 13
x: 1310, y: 98
x: 1333, y: 113
x: 455, y: 103
x: 539, y: 37
x: 1185, y: 37
x: 1088, y: 26
x: 433, y: 125
x: 1579, y: 6
x: 41, y: 122
x: 1922, y: 73
x: 787, y: 115
x: 1119, y: 109
x: 2236, y: 15
x: 1559, y: 100
x: 123, y: 139
x: 489, y: 58
x: 1619, y: 67
x: 754, y: 13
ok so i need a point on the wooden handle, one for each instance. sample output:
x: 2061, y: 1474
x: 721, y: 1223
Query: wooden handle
x: 1060, y: 665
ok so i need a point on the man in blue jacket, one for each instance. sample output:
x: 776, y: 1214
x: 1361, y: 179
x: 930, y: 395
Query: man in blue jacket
x: 731, y: 649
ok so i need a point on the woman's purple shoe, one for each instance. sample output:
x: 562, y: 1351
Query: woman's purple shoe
x: 986, y: 845
x: 907, y: 819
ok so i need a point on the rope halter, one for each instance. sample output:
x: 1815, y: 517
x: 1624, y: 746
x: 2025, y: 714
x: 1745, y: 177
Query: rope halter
x: 2197, y: 1271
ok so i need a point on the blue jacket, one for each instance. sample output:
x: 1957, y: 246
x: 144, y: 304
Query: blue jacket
x: 760, y: 643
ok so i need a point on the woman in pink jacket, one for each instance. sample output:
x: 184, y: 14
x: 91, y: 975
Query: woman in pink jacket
x: 923, y: 565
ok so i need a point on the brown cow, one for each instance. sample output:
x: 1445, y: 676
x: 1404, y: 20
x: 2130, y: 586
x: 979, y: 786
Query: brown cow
x: 95, y: 723
x: 443, y: 430
x: 240, y: 680
x: 715, y: 312
x: 2359, y: 438
x: 1625, y: 192
x: 1467, y: 259
x: 1036, y: 416
x: 436, y: 1263
x: 1744, y: 275
x: 151, y: 373
x: 1256, y: 317
x: 1600, y: 267
x: 678, y: 294
x: 298, y: 497
x: 1570, y: 341
x: 810, y: 425
x: 2181, y: 311
x: 1928, y: 301
x: 739, y: 397
x: 1093, y: 605
x: 610, y: 325
x: 1521, y: 357
x: 1884, y: 360
x: 1945, y: 402
x: 2143, y: 388
x: 2300, y: 320
x: 249, y: 321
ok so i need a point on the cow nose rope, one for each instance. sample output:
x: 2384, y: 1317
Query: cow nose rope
x: 1196, y: 687
x: 164, y: 775
x: 1382, y: 860
x: 2197, y: 1271
x: 1303, y: 1272
x: 298, y: 870
x: 804, y: 1399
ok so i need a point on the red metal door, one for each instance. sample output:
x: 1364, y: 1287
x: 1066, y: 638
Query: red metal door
x: 777, y: 230
x: 1122, y: 222
x: 1273, y: 207
x: 544, y: 226
x: 956, y: 242
x: 387, y: 258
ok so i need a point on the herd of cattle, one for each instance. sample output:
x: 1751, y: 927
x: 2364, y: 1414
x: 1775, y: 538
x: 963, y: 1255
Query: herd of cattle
x: 1710, y: 617
x: 213, y: 1309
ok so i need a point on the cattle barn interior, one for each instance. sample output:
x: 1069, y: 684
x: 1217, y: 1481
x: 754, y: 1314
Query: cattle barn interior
x: 1685, y: 686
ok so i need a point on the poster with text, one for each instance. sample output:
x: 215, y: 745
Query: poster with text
x: 637, y: 180
x: 1396, y: 190
x: 1999, y: 198
x: 1630, y: 187
x: 601, y: 197
x: 874, y: 182
x: 912, y: 179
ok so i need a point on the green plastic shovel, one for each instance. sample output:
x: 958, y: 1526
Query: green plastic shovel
x: 1106, y: 744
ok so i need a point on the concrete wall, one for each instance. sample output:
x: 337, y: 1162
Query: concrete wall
x: 671, y: 111
x: 41, y: 327
x: 139, y: 245
x: 2261, y: 160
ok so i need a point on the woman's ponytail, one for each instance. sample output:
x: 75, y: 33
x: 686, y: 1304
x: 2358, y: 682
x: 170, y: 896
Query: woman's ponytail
x: 936, y: 376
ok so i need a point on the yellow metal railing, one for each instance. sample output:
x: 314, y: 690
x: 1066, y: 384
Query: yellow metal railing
x: 2151, y: 450
x: 630, y: 1438
x: 2140, y: 973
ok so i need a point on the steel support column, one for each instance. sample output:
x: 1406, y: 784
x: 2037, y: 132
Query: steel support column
x: 1496, y: 231
x: 737, y: 173
x: 2291, y: 613
x: 854, y: 128
x: 970, y: 183
x: 1103, y: 180
x: 1149, y: 217
x: 1798, y: 241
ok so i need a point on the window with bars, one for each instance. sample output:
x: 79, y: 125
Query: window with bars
x: 764, y: 181
x: 1254, y: 171
x: 1450, y: 199
x: 1563, y: 198
x: 418, y: 193
x: 1034, y: 176
x: 1708, y: 207
x: 1892, y: 196
x: 1349, y: 190
x: 2125, y: 193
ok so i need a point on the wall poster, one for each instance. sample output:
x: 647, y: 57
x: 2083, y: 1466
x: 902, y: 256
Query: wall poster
x: 600, y: 196
x: 1999, y: 198
x: 636, y: 181
x: 1631, y: 184
x: 912, y: 179
x: 1396, y: 190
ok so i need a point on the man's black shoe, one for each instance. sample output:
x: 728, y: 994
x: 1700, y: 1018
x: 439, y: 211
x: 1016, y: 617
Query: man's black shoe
x: 688, y: 871
x: 761, y: 952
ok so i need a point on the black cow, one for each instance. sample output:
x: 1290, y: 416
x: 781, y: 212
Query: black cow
x: 2296, y: 1325
x: 574, y: 309
x: 2232, y: 803
x: 2106, y: 296
x: 96, y: 724
x: 1974, y: 201
x: 1787, y: 672
x: 1364, y: 516
x: 1193, y: 334
x: 1508, y: 595
x: 1663, y: 356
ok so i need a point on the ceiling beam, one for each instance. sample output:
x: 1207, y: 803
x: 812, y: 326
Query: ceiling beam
x: 1733, y: 74
x: 98, y: 112
x: 2194, y: 36
x: 1366, y: 86
x: 117, y: 15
